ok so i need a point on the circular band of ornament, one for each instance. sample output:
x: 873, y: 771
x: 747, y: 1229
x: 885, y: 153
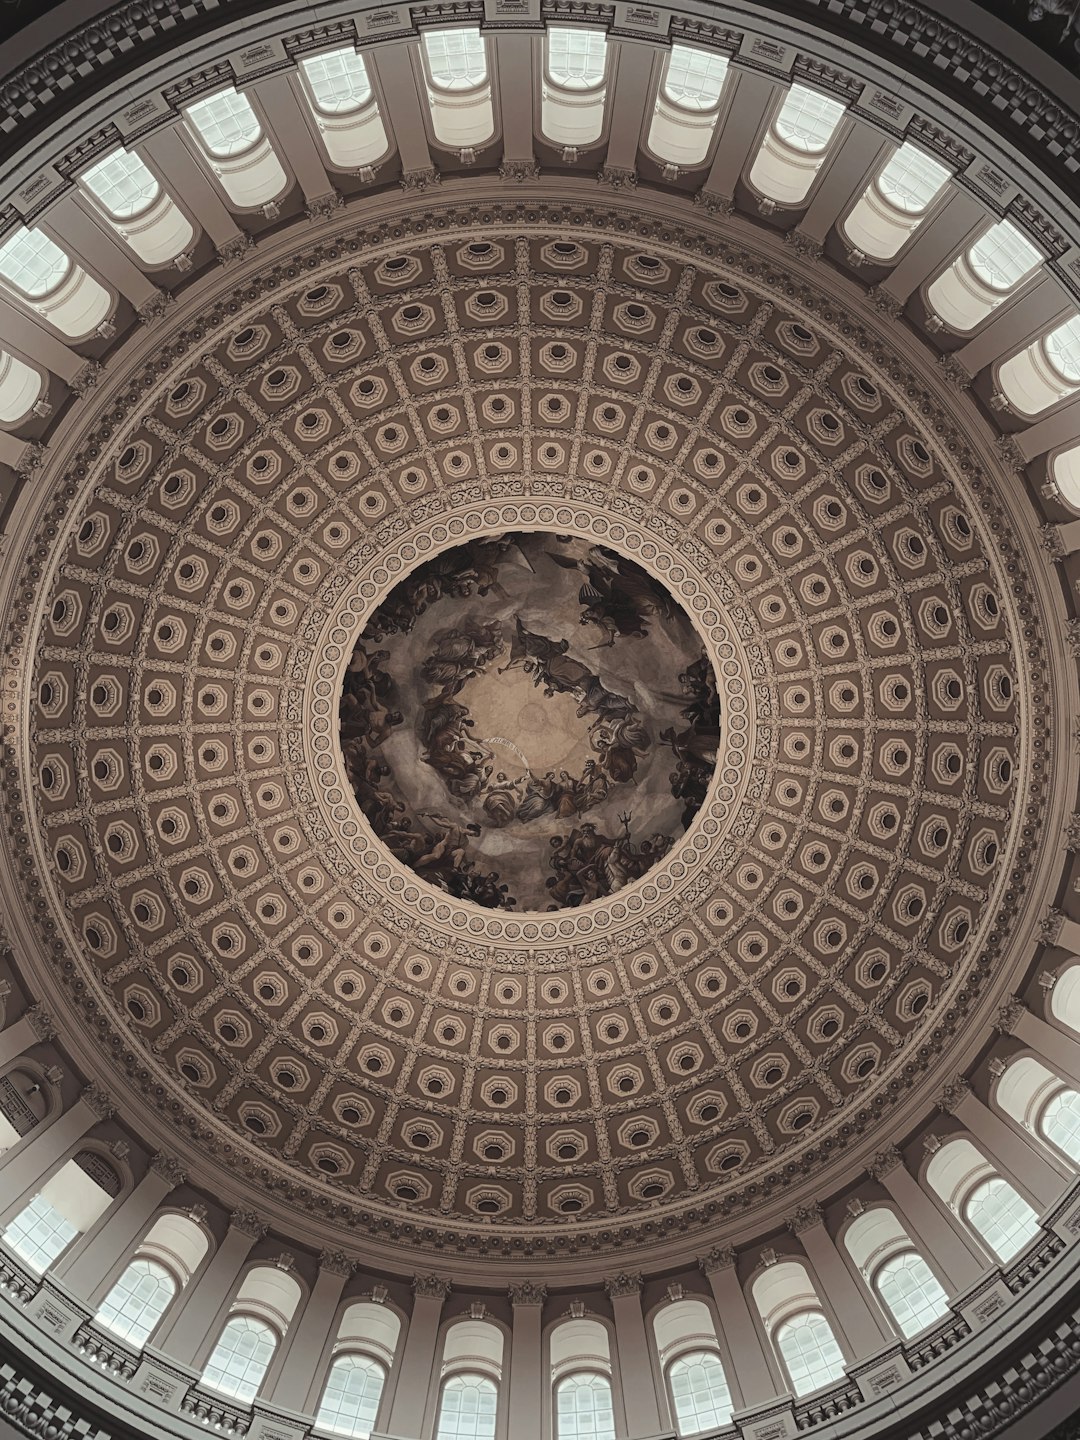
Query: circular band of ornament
x: 312, y: 743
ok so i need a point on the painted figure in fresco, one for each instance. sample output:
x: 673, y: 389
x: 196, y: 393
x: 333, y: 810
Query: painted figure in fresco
x: 616, y: 597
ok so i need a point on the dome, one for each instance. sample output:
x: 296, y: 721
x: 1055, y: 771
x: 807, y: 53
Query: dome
x: 538, y: 576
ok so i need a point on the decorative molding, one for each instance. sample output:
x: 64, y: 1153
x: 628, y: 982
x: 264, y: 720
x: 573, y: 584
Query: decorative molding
x: 1050, y: 927
x: 41, y: 1022
x: 803, y: 244
x: 953, y: 1094
x: 248, y: 1223
x: 619, y: 1287
x: 323, y: 206
x: 1008, y: 1015
x: 519, y: 170
x: 430, y: 1287
x: 619, y: 177
x: 336, y: 1262
x: 527, y: 1292
x: 420, y: 179
x: 720, y: 1257
x: 99, y: 1100
x: 169, y: 1168
x: 805, y: 1218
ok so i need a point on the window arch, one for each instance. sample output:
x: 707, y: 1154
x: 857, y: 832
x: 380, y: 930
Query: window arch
x: 808, y: 1348
x: 1060, y: 1123
x: 574, y: 89
x: 1045, y: 372
x: 351, y: 1395
x: 456, y: 58
x: 687, y: 105
x: 134, y: 204
x: 910, y: 1291
x: 700, y: 1393
x: 64, y: 1208
x: 993, y: 268
x: 138, y: 1300
x: 35, y: 270
x: 20, y: 388
x: 1065, y: 996
x: 468, y: 1404
x: 584, y: 1408
x: 458, y: 86
x: 342, y: 102
x: 237, y: 150
x: 1065, y: 474
x: 795, y: 145
x: 239, y: 1361
x: 1003, y: 1218
x: 895, y: 203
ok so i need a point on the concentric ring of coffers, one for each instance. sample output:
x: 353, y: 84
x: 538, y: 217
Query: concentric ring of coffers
x: 835, y: 914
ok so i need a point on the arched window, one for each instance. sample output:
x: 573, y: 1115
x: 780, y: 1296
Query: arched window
x: 574, y: 91
x: 241, y: 1357
x: 1065, y: 473
x: 895, y: 204
x: 699, y: 1392
x: 456, y: 59
x: 134, y: 205
x: 350, y: 1398
x: 137, y: 1301
x: 795, y: 145
x: 467, y: 1408
x: 1044, y: 373
x: 583, y: 1408
x: 31, y: 262
x: 66, y: 1206
x: 1062, y: 349
x: 20, y: 389
x: 225, y: 123
x: 122, y: 184
x: 39, y: 273
x: 1060, y: 1123
x: 338, y: 81
x: 988, y: 272
x: 1003, y: 1218
x: 687, y: 105
x: 808, y: 1348
x: 911, y: 180
x: 910, y: 1291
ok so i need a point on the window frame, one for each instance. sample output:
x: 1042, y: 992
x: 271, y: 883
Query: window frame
x: 171, y: 1277
x: 441, y: 87
x: 901, y: 1253
x: 253, y: 1320
x: 462, y: 1372
x: 692, y: 1350
x: 350, y: 1352
x: 570, y: 87
x: 577, y: 1374
x: 308, y: 84
x: 806, y: 1312
x: 221, y: 157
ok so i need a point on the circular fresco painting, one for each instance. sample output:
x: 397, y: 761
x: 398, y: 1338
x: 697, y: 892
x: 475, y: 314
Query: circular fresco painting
x: 529, y: 721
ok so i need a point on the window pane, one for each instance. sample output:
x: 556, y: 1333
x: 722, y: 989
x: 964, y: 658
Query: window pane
x: 1063, y: 350
x: 576, y: 59
x: 810, y: 1352
x: 123, y: 184
x: 1003, y: 1218
x: 1002, y: 257
x: 456, y: 59
x: 39, y: 1234
x: 137, y: 1301
x: 807, y: 120
x: 467, y: 1409
x: 30, y: 261
x: 339, y: 81
x: 240, y: 1358
x: 583, y: 1408
x: 911, y: 1292
x: 700, y: 1393
x: 911, y: 180
x: 694, y: 78
x: 226, y: 122
x: 350, y: 1401
x: 1061, y: 1123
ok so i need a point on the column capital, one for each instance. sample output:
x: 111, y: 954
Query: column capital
x: 805, y: 1218
x: 41, y: 1022
x: 527, y: 1292
x: 99, y: 1101
x: 430, y: 1287
x: 248, y: 1223
x: 620, y: 1286
x: 336, y: 1262
x: 885, y: 1162
x: 953, y: 1093
x: 720, y: 1257
x: 1049, y: 932
x: 1008, y: 1014
x: 169, y: 1168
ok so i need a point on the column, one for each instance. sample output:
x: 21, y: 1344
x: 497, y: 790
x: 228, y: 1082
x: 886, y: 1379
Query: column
x: 753, y: 99
x: 24, y: 1166
x: 1026, y: 1167
x: 404, y: 118
x: 632, y: 92
x: 23, y: 1034
x: 307, y: 1338
x: 1037, y: 309
x: 848, y: 170
x: 526, y: 1358
x: 1060, y: 428
x: 862, y: 1329
x: 1059, y: 1049
x: 293, y: 137
x: 418, y: 1357
x: 187, y: 182
x: 40, y: 345
x: 514, y: 76
x: 947, y: 1248
x: 957, y: 225
x: 204, y: 1297
x: 635, y: 1364
x: 78, y: 232
x: 752, y: 1374
x: 88, y: 1264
